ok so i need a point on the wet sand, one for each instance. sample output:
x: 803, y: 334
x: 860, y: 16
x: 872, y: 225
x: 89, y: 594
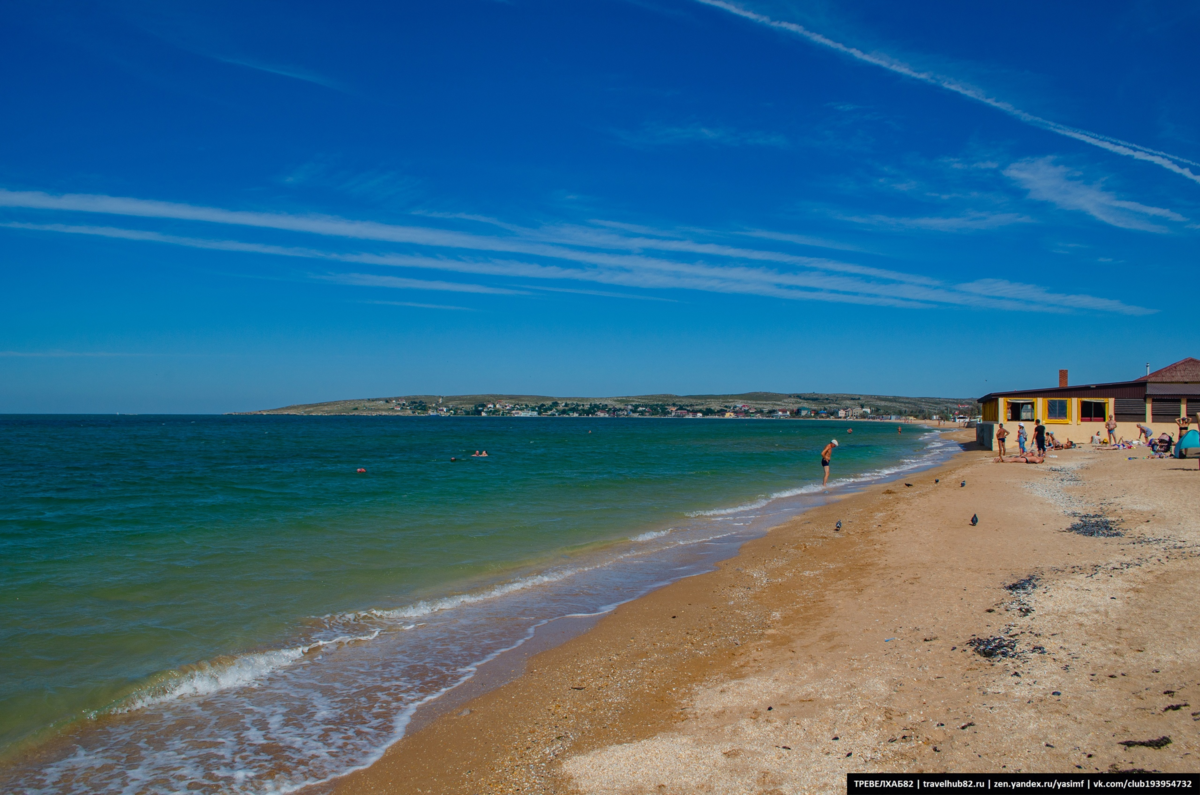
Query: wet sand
x: 814, y: 653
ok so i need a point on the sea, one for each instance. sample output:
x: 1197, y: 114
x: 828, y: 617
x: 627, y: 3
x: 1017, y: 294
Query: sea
x: 259, y: 604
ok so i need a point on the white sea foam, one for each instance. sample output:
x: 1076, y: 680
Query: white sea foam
x: 424, y: 607
x: 649, y: 535
x: 212, y: 676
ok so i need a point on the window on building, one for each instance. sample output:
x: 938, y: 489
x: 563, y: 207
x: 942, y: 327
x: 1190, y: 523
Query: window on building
x: 991, y: 411
x: 1020, y: 410
x: 1093, y: 410
x: 1058, y: 409
x: 1165, y: 409
x: 1130, y: 410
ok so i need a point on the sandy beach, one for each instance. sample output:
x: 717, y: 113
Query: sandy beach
x: 909, y: 641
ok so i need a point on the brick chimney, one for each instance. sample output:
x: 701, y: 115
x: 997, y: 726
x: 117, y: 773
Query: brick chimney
x: 1062, y: 377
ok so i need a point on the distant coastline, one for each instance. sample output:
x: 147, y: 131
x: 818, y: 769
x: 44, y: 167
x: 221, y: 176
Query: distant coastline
x: 748, y: 405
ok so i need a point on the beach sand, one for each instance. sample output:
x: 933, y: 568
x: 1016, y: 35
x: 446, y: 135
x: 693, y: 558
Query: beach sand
x: 814, y: 653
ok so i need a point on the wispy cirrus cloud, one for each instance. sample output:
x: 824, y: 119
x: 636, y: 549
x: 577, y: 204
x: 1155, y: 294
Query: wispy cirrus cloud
x: 640, y: 258
x: 1048, y: 181
x: 65, y: 354
x: 292, y: 72
x: 1165, y: 160
x: 401, y: 283
x: 1001, y: 288
x: 654, y: 134
x: 801, y: 240
x: 605, y: 294
x: 965, y: 222
x: 415, y: 305
x: 565, y: 242
x: 372, y: 184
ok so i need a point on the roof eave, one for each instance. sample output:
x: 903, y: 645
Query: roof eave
x: 1053, y: 389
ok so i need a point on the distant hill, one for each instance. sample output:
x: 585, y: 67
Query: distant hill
x: 748, y: 403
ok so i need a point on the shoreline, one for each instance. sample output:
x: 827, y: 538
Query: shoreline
x: 666, y: 685
x: 508, y: 664
x: 707, y: 537
x: 511, y: 666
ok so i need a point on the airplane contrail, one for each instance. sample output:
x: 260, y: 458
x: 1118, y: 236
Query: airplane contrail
x: 1115, y: 145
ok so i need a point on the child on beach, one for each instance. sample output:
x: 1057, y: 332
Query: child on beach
x: 1021, y: 436
x: 1039, y: 436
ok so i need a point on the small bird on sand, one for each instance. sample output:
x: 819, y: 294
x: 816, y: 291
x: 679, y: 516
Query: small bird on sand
x: 909, y: 485
x: 837, y: 526
x: 963, y: 485
x: 937, y: 480
x: 974, y: 519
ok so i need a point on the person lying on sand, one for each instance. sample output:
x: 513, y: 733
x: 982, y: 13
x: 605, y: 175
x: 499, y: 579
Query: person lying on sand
x: 1028, y: 458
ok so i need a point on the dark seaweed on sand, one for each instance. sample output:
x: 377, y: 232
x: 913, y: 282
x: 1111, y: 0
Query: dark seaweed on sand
x: 1095, y: 525
x: 1023, y: 586
x: 1161, y: 742
x: 996, y: 646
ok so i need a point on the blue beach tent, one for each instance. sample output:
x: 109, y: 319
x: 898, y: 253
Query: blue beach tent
x: 1189, y: 446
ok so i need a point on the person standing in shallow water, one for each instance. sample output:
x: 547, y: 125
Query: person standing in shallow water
x: 826, y: 455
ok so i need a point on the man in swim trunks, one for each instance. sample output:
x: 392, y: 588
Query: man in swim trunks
x: 1001, y: 435
x: 1111, y: 427
x: 827, y: 454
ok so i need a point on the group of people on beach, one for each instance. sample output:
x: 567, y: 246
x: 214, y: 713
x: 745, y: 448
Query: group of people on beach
x: 1035, y: 454
x: 1044, y: 440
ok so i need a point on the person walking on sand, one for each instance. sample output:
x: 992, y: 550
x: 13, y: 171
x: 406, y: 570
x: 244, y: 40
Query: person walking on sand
x: 1001, y: 435
x: 826, y: 455
x: 1022, y: 437
x: 1111, y: 427
x: 1039, y: 436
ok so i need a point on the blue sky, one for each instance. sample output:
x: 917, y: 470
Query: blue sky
x: 223, y: 206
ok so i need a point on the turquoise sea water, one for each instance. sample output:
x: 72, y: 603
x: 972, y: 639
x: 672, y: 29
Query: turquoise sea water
x: 226, y: 604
